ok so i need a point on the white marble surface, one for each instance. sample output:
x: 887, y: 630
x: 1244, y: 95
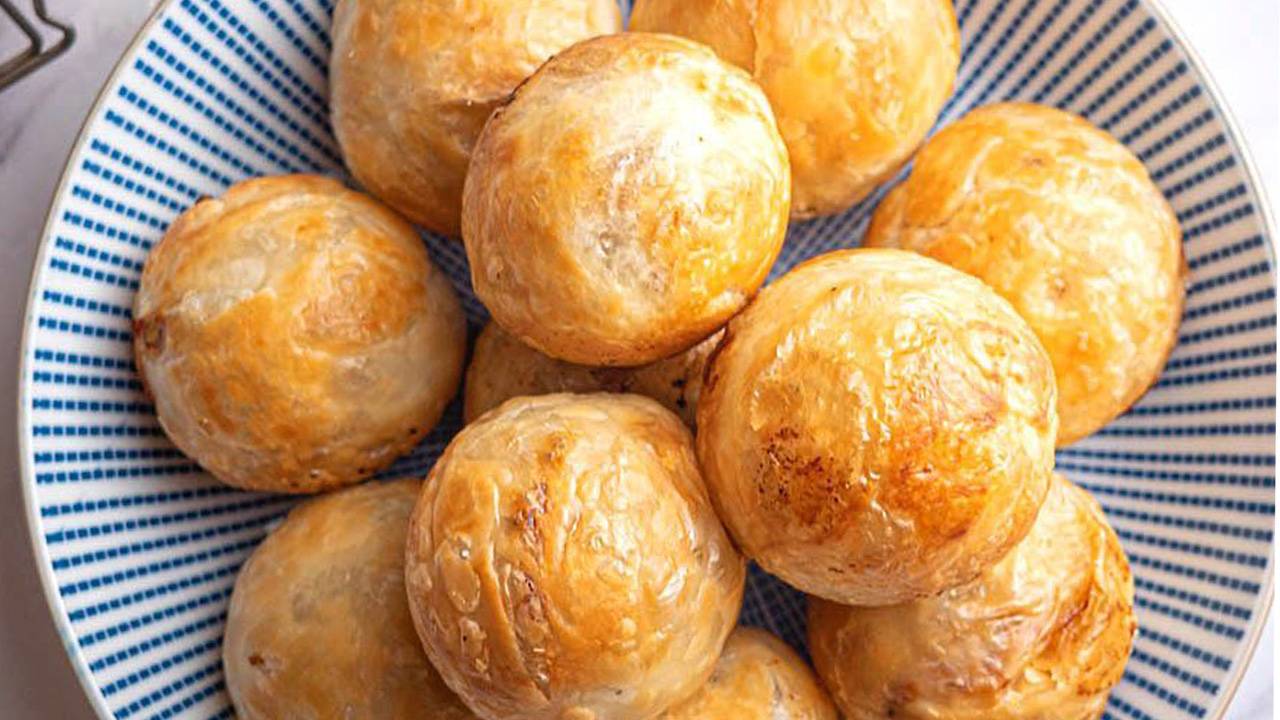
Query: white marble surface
x: 40, y: 117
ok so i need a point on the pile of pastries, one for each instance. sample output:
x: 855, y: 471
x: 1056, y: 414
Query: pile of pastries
x: 644, y: 417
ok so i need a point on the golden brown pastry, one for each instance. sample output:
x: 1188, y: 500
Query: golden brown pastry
x: 295, y: 336
x: 1042, y: 635
x: 413, y: 81
x: 855, y: 84
x: 877, y: 426
x: 503, y: 367
x: 758, y: 677
x: 319, y: 626
x: 564, y: 562
x: 629, y: 199
x: 1064, y: 222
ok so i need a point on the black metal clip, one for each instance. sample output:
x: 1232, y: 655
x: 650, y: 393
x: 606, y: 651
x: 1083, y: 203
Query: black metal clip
x: 35, y: 54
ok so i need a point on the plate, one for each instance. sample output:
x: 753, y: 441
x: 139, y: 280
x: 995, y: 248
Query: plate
x: 138, y: 549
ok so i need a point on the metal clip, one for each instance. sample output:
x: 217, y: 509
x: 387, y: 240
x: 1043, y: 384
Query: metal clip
x: 35, y: 54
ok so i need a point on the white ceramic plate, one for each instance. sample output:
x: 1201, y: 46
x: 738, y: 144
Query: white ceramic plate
x: 138, y: 549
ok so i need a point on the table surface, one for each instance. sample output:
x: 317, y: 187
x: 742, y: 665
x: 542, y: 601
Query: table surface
x: 41, y: 116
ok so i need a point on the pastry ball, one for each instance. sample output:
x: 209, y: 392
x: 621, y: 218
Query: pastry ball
x: 503, y: 367
x: 295, y: 336
x: 1045, y: 633
x: 628, y: 201
x: 413, y: 81
x: 1064, y: 222
x: 564, y: 562
x: 319, y: 626
x: 877, y: 426
x: 855, y: 84
x: 758, y: 677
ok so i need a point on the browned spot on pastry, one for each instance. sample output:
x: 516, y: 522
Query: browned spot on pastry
x: 811, y: 487
x: 899, y: 695
x: 151, y: 333
x: 553, y: 451
x: 529, y: 513
x: 533, y: 632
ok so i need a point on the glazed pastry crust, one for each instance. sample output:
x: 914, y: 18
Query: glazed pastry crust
x: 564, y: 561
x: 319, y: 626
x: 1064, y: 222
x: 503, y: 367
x: 295, y: 336
x: 758, y: 677
x: 606, y: 228
x: 1045, y: 633
x: 877, y: 427
x: 413, y: 81
x: 855, y: 84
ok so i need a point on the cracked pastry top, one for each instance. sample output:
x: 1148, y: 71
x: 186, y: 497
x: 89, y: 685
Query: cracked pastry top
x: 413, y: 81
x: 627, y: 201
x: 877, y: 426
x: 1045, y: 633
x: 1064, y: 222
x: 294, y: 335
x: 564, y: 561
x: 855, y: 84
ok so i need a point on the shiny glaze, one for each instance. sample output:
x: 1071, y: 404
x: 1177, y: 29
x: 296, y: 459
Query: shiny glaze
x: 1064, y: 222
x: 604, y: 228
x: 564, y: 561
x: 855, y: 84
x: 413, y: 81
x: 1042, y: 635
x: 876, y: 427
x: 295, y: 336
x: 319, y: 626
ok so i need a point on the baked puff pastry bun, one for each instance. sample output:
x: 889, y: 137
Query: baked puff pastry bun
x: 503, y: 367
x: 629, y: 199
x: 1045, y: 633
x: 319, y: 626
x: 295, y: 336
x: 877, y: 427
x: 758, y: 677
x: 855, y: 84
x: 1064, y: 222
x: 564, y: 561
x: 413, y: 81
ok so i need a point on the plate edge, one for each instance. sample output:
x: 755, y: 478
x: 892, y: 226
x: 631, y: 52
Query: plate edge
x: 39, y: 550
x: 1244, y: 656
